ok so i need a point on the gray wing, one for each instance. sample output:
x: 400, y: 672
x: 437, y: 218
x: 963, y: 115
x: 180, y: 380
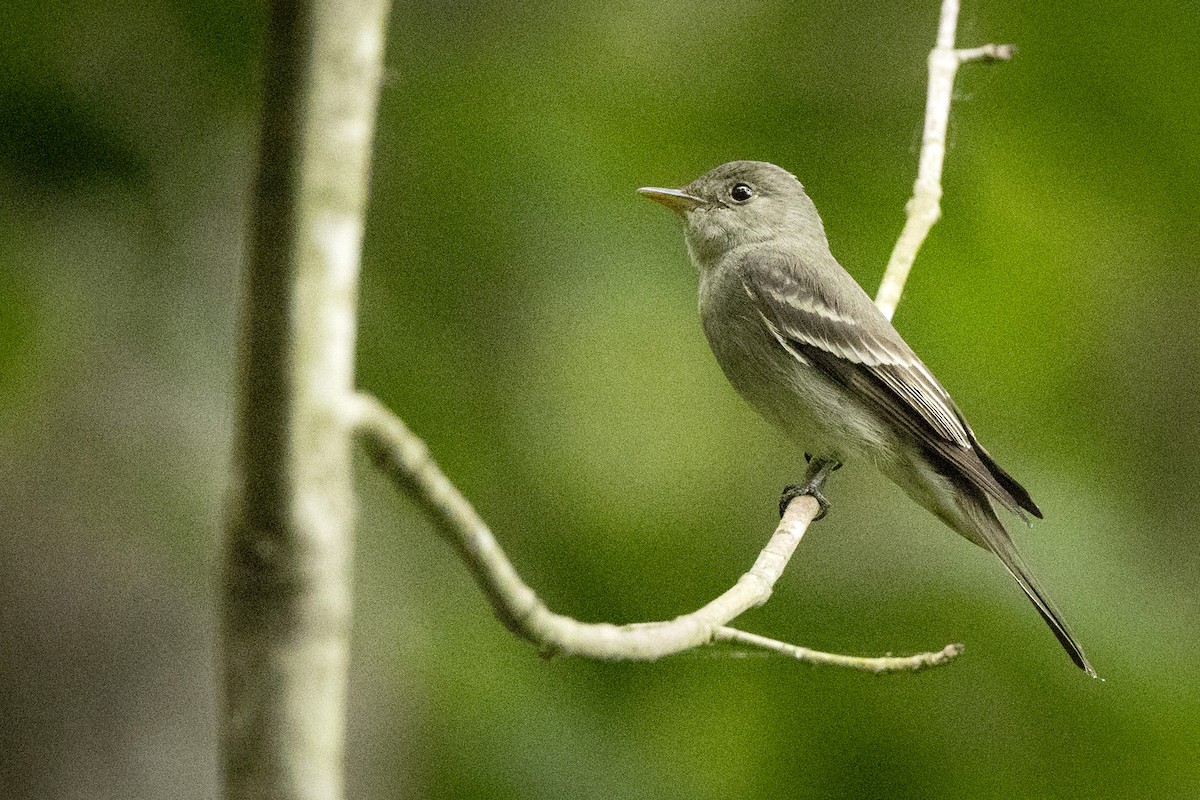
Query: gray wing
x: 845, y: 336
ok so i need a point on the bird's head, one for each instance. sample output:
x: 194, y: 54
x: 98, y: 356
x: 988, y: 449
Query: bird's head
x: 740, y: 203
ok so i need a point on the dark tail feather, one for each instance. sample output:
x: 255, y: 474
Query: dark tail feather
x: 988, y: 527
x: 1009, y: 483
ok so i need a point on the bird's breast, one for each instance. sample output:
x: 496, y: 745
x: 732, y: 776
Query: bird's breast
x: 786, y: 390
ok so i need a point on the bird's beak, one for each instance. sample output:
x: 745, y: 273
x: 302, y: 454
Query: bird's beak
x: 677, y: 200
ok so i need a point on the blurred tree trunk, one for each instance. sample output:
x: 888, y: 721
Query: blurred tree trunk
x: 285, y: 583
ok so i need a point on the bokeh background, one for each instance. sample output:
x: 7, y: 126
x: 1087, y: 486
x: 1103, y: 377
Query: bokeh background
x: 535, y: 321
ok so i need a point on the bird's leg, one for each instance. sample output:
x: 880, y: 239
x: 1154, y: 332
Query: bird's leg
x: 814, y: 479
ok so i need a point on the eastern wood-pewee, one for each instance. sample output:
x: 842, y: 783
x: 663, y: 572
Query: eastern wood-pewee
x: 803, y: 343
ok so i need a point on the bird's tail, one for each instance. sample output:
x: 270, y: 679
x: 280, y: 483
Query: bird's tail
x: 977, y: 512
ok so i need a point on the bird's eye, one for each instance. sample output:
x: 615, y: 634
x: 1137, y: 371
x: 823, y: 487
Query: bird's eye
x: 741, y: 193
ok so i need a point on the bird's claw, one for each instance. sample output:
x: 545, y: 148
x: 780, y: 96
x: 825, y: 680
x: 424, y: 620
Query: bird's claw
x: 790, y: 493
x: 818, y: 470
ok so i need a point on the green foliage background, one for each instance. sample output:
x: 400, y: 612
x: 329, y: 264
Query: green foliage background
x: 535, y: 320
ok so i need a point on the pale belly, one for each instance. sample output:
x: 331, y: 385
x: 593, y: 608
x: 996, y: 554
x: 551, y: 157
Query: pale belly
x: 810, y: 409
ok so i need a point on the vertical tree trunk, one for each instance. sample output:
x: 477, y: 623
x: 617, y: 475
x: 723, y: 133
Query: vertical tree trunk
x: 285, y: 583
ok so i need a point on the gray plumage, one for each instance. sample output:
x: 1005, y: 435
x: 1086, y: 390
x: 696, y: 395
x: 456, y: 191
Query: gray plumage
x: 803, y: 343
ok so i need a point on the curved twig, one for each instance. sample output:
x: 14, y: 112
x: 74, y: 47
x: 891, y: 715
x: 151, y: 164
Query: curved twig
x: 404, y: 458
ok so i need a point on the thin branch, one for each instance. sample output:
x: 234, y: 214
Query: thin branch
x: 915, y: 663
x: 924, y: 207
x: 404, y: 458
x: 286, y: 571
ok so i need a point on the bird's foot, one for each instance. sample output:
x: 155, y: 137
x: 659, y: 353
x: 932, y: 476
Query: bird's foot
x: 790, y: 493
x: 814, y: 479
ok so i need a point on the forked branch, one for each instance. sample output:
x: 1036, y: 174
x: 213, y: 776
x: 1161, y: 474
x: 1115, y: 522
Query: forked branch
x: 405, y: 459
x: 286, y: 590
x: 924, y: 207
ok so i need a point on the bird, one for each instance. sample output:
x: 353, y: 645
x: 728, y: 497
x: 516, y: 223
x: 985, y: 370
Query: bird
x: 808, y: 349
